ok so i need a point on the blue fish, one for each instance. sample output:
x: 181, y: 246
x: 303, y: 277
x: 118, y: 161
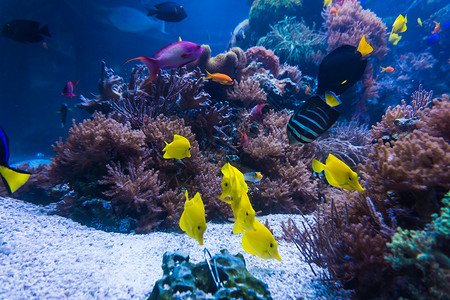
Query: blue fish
x: 13, y: 179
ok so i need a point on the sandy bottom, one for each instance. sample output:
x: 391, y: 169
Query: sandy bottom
x: 50, y: 257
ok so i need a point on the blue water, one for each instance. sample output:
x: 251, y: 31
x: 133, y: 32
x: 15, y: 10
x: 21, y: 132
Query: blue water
x: 32, y: 77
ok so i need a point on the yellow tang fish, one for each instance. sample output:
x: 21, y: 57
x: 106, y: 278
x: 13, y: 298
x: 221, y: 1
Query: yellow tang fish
x: 327, y: 2
x: 244, y: 214
x: 394, y: 38
x: 260, y: 242
x: 399, y: 25
x: 179, y: 148
x: 419, y: 21
x: 233, y: 184
x: 193, y: 220
x: 338, y: 174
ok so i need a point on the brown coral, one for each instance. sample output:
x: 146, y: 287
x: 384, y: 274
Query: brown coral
x: 248, y: 91
x: 352, y: 22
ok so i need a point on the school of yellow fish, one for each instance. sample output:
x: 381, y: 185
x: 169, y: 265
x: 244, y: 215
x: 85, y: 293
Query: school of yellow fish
x: 257, y: 238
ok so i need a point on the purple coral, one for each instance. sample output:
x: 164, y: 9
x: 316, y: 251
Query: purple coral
x: 268, y: 59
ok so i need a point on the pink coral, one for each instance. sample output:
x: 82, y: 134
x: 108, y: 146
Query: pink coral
x: 269, y: 60
x: 352, y: 22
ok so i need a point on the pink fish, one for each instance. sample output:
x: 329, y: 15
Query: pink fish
x: 256, y: 113
x: 244, y: 140
x: 68, y: 89
x: 170, y: 57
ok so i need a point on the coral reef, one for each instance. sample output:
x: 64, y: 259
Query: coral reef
x: 294, y: 42
x: 195, y: 280
x: 352, y: 22
x: 248, y: 91
x: 424, y: 254
x: 268, y: 59
x: 228, y: 63
x: 263, y: 13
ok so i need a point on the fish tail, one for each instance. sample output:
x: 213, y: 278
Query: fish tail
x: 331, y: 99
x: 209, y: 75
x: 167, y: 145
x: 13, y: 179
x: 317, y: 166
x: 363, y: 47
x: 44, y: 30
x: 383, y: 69
x: 151, y: 11
x: 151, y: 64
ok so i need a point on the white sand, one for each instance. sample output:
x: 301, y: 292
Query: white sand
x: 50, y: 257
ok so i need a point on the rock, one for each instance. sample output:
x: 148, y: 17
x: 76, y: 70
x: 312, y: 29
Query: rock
x: 183, y: 279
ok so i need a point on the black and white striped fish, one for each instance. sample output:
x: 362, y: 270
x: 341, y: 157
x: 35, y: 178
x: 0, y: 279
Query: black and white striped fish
x: 311, y: 120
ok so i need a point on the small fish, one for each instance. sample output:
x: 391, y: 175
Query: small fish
x: 311, y: 120
x: 244, y: 214
x: 260, y: 242
x: 327, y: 2
x: 399, y: 25
x: 172, y: 56
x: 240, y: 35
x: 337, y: 173
x: 387, y: 69
x: 192, y: 219
x: 63, y: 110
x: 68, y: 89
x: 334, y: 11
x: 233, y: 185
x: 433, y: 38
x: 220, y: 78
x: 394, y: 38
x: 308, y: 90
x: 179, y: 148
x: 253, y: 177
x: 25, y: 31
x: 13, y: 179
x: 256, y: 114
x: 168, y: 11
x: 343, y: 67
x: 244, y: 140
x: 437, y: 27
x: 419, y: 21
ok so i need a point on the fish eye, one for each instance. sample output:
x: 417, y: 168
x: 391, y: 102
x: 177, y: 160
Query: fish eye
x: 199, y: 228
x: 246, y: 213
x: 349, y: 178
x: 226, y: 184
x: 271, y: 245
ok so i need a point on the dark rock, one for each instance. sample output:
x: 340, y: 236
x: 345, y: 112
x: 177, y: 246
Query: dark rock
x: 185, y: 280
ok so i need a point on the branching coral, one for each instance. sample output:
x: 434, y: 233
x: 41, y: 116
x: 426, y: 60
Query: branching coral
x: 435, y: 121
x: 248, y: 91
x: 292, y: 41
x: 89, y: 147
x: 352, y: 22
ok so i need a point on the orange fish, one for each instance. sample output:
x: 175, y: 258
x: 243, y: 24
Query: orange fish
x: 308, y: 90
x: 334, y: 11
x: 220, y: 78
x: 244, y: 140
x: 437, y: 27
x: 387, y: 69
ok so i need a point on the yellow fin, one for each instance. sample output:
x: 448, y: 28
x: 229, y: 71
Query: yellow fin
x: 237, y: 228
x: 209, y: 75
x: 364, y: 48
x: 331, y: 99
x: 317, y: 166
x: 246, y: 245
x: 179, y: 39
x: 14, y: 179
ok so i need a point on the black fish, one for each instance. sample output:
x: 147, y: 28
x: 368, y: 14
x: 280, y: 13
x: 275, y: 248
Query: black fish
x: 63, y: 110
x: 25, y: 31
x: 168, y: 11
x: 311, y: 120
x: 13, y: 179
x: 340, y: 70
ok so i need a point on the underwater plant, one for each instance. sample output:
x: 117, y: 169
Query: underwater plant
x: 293, y: 41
